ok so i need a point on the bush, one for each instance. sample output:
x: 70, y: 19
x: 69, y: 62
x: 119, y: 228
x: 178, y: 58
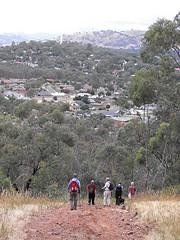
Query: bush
x: 4, y: 181
x: 172, y: 190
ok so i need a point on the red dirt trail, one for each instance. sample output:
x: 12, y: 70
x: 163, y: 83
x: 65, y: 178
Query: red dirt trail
x: 86, y: 223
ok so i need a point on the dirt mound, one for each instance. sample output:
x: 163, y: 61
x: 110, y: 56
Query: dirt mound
x: 86, y: 223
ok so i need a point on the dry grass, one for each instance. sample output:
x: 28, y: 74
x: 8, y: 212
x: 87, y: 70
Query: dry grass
x: 15, y: 210
x: 163, y: 211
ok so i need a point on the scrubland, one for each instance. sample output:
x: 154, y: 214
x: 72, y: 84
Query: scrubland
x: 163, y: 212
x: 15, y: 210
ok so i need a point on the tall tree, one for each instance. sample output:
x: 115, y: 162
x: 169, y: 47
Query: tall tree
x: 162, y: 38
x: 161, y: 50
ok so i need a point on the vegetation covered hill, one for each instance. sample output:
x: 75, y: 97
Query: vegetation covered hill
x: 108, y: 38
x: 71, y: 63
x: 41, y: 145
x: 8, y: 38
x: 112, y: 39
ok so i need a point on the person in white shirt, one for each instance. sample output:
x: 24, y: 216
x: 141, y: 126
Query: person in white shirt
x: 107, y: 193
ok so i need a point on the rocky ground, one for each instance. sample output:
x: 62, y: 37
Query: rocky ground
x: 86, y: 223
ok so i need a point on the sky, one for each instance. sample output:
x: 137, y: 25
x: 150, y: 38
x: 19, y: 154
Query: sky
x: 67, y: 16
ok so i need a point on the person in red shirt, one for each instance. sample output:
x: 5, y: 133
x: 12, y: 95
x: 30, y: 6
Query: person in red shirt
x: 131, y: 190
x: 91, y: 191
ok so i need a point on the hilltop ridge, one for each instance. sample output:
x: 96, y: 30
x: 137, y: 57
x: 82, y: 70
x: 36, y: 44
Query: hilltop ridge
x: 104, y: 38
x: 108, y: 38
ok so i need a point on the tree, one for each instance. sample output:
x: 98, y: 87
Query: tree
x: 5, y: 182
x: 161, y: 48
x: 163, y: 37
x: 23, y: 110
x: 143, y: 87
x: 85, y: 99
x: 57, y: 116
x: 158, y: 153
x: 85, y: 107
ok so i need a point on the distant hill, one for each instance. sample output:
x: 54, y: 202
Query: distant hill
x: 111, y: 39
x: 8, y: 38
x: 105, y: 38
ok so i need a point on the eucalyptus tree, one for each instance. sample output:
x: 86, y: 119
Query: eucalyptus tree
x: 162, y: 38
x: 160, y: 52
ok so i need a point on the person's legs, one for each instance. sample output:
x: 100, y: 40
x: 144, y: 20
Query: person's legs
x: 71, y: 201
x: 89, y: 198
x: 117, y: 200
x: 93, y: 198
x: 105, y: 198
x: 121, y: 201
x: 108, y: 198
x: 75, y: 196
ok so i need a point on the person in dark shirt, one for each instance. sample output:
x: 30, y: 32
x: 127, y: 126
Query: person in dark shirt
x: 91, y: 191
x: 118, y: 194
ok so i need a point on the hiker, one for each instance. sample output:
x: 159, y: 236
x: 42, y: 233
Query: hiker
x: 91, y: 191
x: 131, y: 190
x: 107, y: 192
x: 74, y: 189
x: 118, y: 194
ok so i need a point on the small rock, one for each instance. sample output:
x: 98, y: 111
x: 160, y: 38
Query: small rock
x: 99, y: 234
x: 59, y: 223
x: 55, y: 233
x: 130, y: 233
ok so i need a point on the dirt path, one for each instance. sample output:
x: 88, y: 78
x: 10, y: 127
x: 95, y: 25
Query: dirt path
x: 86, y: 223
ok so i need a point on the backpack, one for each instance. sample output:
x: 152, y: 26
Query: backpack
x: 111, y: 187
x: 119, y: 190
x: 74, y: 186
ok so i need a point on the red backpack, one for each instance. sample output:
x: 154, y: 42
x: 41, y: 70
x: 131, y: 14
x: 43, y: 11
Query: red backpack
x: 74, y: 186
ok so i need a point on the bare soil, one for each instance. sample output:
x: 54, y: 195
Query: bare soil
x: 86, y: 223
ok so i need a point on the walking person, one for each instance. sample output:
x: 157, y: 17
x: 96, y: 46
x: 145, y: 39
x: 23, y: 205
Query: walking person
x: 118, y: 194
x: 107, y: 192
x: 91, y: 191
x: 73, y: 188
x: 132, y: 190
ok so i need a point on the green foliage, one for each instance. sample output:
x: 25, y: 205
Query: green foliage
x: 34, y: 84
x: 166, y: 66
x: 143, y: 87
x: 85, y: 99
x: 159, y: 136
x: 85, y: 107
x: 67, y: 137
x: 5, y: 182
x: 54, y: 191
x: 172, y: 190
x: 41, y: 181
x: 24, y: 109
x: 40, y: 145
x: 64, y: 107
x: 57, y: 116
x: 80, y: 128
x: 162, y: 130
x: 161, y: 38
x: 67, y: 62
x: 153, y: 142
x: 140, y: 155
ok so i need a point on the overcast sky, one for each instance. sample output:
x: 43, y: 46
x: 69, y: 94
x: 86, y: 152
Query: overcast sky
x: 59, y: 16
